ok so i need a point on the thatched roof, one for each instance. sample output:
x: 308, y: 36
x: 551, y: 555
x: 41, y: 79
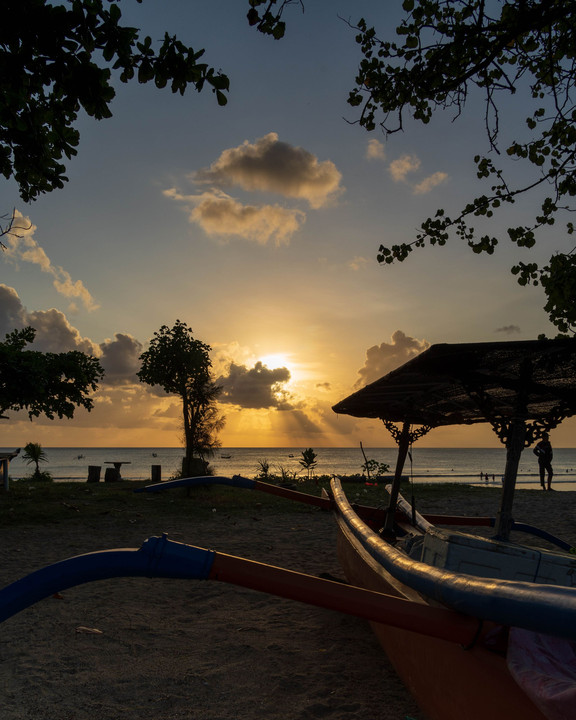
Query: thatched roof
x: 470, y: 383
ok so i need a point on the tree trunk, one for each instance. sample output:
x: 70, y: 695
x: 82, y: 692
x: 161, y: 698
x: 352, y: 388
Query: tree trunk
x: 187, y: 464
x: 192, y: 465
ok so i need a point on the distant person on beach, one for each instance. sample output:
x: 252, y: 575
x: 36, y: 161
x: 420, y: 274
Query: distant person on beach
x: 543, y: 452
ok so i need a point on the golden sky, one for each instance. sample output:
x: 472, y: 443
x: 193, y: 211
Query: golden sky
x: 258, y: 225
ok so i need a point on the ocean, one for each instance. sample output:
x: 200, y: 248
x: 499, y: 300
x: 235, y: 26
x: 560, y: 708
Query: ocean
x: 463, y: 465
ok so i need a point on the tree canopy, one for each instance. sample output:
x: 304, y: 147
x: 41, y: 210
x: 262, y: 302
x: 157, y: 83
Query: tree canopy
x: 443, y: 51
x: 44, y: 383
x: 181, y: 365
x: 59, y: 58
x: 524, y: 47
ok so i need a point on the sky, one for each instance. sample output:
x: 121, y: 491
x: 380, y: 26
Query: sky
x: 258, y: 225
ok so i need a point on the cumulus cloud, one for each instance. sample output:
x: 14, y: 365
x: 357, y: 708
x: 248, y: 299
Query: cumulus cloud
x: 508, y: 329
x: 404, y: 165
x: 256, y: 387
x: 21, y: 246
x: 375, y: 150
x: 121, y: 401
x: 53, y: 331
x: 267, y: 165
x: 12, y: 312
x: 383, y: 358
x: 220, y: 215
x: 429, y: 183
x: 55, y: 334
x: 270, y: 165
x: 120, y: 359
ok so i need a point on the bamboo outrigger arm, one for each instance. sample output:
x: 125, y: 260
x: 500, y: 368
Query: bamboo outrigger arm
x: 374, y: 516
x: 160, y: 557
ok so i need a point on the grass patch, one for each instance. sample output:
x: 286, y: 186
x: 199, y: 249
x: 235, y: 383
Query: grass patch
x: 31, y: 503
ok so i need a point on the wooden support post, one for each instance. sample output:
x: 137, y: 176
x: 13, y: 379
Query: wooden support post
x: 514, y: 448
x: 403, y: 445
x: 5, y: 477
x: 156, y: 473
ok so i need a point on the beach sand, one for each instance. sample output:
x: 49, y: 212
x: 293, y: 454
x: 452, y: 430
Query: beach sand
x: 173, y: 649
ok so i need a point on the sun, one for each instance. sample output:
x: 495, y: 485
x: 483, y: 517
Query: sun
x: 276, y: 360
x: 283, y: 360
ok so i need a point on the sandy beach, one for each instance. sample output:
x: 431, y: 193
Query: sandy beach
x: 144, y: 649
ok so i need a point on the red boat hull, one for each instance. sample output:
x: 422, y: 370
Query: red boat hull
x: 448, y: 681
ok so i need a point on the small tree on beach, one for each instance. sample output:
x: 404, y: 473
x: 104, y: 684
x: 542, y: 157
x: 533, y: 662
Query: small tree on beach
x: 308, y: 460
x: 373, y: 467
x: 34, y: 453
x: 181, y: 365
x: 264, y: 472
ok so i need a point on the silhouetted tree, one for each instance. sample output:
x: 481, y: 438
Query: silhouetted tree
x: 58, y: 58
x: 441, y: 51
x: 44, y: 383
x: 181, y: 365
x: 34, y: 453
x: 308, y: 460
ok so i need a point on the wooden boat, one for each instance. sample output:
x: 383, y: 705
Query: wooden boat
x: 522, y: 661
x: 472, y: 679
x: 475, y: 627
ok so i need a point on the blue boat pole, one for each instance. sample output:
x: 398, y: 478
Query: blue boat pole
x: 158, y: 557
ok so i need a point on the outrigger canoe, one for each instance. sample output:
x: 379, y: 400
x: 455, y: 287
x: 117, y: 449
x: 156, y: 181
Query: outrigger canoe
x: 522, y: 662
x: 476, y: 627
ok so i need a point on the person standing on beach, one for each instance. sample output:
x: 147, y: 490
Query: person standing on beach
x: 543, y: 452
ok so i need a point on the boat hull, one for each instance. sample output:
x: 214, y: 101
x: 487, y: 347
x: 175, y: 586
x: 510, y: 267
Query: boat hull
x: 448, y: 681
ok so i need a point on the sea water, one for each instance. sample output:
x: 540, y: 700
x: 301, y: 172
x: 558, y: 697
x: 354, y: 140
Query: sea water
x: 463, y: 465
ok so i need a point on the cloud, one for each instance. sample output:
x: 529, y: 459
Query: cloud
x: 381, y: 359
x: 55, y: 334
x: 400, y: 169
x: 53, y: 331
x: 121, y: 401
x: 12, y: 312
x: 358, y: 263
x: 257, y: 387
x: 508, y: 329
x: 429, y: 183
x: 375, y: 150
x: 269, y: 165
x: 404, y: 165
x: 220, y: 215
x: 20, y: 245
x: 120, y: 359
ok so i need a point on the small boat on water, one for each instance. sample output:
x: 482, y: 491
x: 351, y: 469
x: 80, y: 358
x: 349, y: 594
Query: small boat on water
x: 476, y: 627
